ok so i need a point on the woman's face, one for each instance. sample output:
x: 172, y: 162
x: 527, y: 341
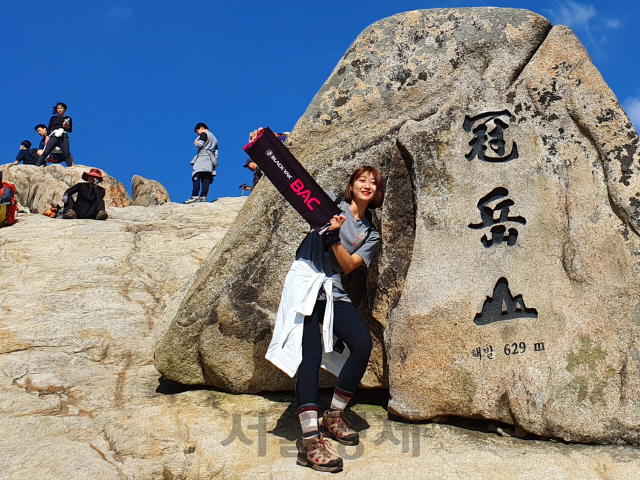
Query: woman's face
x: 60, y: 110
x: 364, y: 187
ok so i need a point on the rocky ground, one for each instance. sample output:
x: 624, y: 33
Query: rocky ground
x: 83, y: 304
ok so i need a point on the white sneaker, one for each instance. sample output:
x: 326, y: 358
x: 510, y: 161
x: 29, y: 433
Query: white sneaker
x: 202, y: 199
x: 192, y: 200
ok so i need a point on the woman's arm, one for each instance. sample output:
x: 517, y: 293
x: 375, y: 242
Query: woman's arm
x: 348, y: 262
x: 74, y: 189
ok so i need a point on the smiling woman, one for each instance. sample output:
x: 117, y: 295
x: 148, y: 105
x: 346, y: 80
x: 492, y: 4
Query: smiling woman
x: 314, y: 282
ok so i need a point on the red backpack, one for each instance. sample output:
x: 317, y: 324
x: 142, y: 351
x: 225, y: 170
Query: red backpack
x: 12, y: 208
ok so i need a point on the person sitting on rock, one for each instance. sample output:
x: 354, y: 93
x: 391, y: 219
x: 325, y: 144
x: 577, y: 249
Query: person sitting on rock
x: 204, y: 163
x: 58, y: 131
x: 24, y: 155
x: 55, y: 156
x: 90, y: 199
x: 8, y: 203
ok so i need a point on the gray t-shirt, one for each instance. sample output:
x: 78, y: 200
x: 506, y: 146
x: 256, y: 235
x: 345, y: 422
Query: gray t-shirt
x: 352, y: 235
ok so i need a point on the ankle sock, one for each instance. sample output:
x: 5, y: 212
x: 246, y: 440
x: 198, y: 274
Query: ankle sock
x: 308, y: 415
x: 340, y: 399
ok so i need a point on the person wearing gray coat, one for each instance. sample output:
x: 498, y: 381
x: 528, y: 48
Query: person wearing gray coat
x: 204, y: 163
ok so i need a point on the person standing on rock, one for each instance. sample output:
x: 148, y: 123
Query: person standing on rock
x: 58, y: 135
x: 204, y: 163
x: 349, y: 244
x: 90, y: 198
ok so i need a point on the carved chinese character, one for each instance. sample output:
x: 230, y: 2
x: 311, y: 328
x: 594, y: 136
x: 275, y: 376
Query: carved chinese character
x: 498, y: 231
x: 488, y: 142
x: 503, y: 306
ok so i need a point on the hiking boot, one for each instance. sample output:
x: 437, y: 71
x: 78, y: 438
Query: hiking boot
x: 69, y: 214
x: 316, y: 452
x: 202, y: 199
x: 102, y: 215
x: 192, y: 200
x: 334, y: 425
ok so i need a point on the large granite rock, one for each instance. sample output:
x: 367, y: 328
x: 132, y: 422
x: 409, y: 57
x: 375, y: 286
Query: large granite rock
x: 148, y: 192
x: 506, y: 285
x: 79, y: 395
x: 82, y: 305
x: 38, y: 187
x: 536, y: 325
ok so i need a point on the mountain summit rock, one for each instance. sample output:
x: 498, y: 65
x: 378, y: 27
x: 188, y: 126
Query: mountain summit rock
x: 512, y: 176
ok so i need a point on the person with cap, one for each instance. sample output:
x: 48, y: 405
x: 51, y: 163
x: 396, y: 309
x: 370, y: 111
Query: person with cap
x: 204, y: 163
x: 257, y: 173
x: 8, y: 203
x: 90, y: 198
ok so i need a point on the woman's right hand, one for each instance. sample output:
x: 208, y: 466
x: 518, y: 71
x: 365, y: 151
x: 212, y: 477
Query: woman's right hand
x: 336, y: 222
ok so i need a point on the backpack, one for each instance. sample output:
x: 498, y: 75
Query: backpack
x: 12, y: 208
x: 34, y: 156
x: 54, y: 211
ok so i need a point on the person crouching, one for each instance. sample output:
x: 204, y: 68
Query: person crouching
x: 90, y: 199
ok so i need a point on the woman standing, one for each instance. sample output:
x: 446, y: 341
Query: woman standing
x: 204, y: 163
x: 58, y: 135
x: 313, y: 295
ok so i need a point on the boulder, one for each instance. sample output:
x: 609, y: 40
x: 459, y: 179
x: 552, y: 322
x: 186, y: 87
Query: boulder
x: 521, y: 301
x: 80, y: 398
x: 148, y: 192
x: 506, y: 285
x: 38, y: 187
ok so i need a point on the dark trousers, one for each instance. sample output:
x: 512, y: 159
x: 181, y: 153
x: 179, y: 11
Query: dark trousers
x: 204, y: 178
x: 349, y: 327
x: 63, y: 143
x: 84, y: 210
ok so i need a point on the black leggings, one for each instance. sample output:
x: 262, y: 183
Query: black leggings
x: 206, y: 178
x: 349, y: 327
x: 63, y: 143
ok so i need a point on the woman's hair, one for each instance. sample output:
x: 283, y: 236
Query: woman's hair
x: 64, y: 105
x: 378, y: 197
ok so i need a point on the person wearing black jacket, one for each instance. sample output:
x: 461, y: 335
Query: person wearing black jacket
x: 90, y: 199
x: 257, y: 173
x: 57, y: 131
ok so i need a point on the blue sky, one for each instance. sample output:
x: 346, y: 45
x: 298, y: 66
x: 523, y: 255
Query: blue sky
x: 137, y: 76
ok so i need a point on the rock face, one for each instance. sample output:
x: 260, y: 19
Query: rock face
x: 82, y: 307
x: 148, y: 192
x: 38, y: 187
x: 506, y: 285
x: 79, y: 394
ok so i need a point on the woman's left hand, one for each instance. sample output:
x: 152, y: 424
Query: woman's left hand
x: 336, y: 222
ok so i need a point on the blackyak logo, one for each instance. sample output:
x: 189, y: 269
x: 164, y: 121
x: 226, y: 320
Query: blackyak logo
x: 269, y: 152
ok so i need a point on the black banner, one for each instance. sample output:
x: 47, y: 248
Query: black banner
x: 292, y: 180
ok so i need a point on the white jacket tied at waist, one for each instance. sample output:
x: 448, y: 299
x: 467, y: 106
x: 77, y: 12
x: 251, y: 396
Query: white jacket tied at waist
x: 299, y: 296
